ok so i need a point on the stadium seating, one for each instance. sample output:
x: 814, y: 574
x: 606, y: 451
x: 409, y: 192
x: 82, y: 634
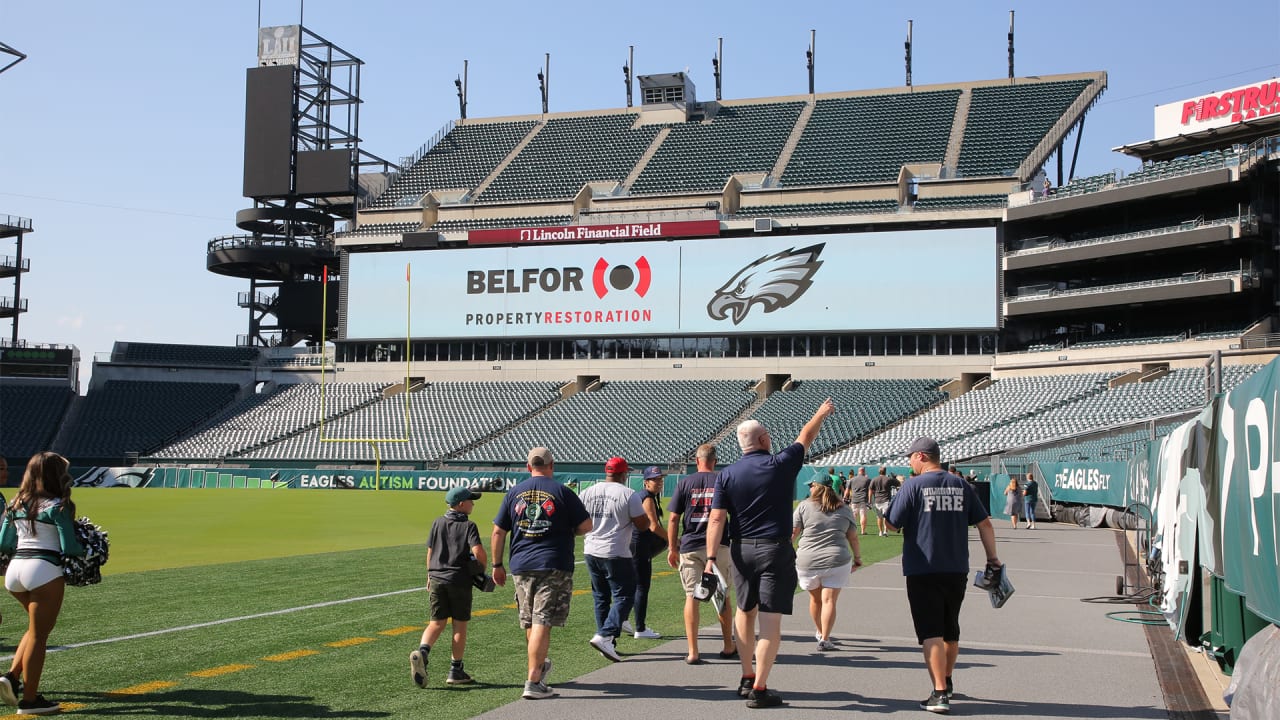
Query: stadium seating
x: 863, y: 407
x: 32, y: 414
x: 646, y: 422
x: 443, y: 418
x: 700, y: 156
x: 997, y: 404
x: 1205, y: 161
x: 379, y: 229
x: 1082, y: 186
x: 506, y: 222
x: 961, y: 202
x: 128, y: 416
x: 169, y: 354
x: 462, y: 159
x: 857, y: 207
x: 570, y: 152
x: 1180, y: 390
x: 260, y: 419
x: 1006, y: 122
x: 869, y: 138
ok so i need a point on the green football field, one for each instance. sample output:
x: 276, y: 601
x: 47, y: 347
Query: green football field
x: 285, y: 604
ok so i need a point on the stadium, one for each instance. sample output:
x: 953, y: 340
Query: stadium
x: 639, y: 280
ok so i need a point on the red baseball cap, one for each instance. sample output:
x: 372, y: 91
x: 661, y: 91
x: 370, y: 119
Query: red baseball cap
x: 616, y: 465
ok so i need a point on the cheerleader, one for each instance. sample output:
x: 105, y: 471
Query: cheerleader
x: 37, y: 531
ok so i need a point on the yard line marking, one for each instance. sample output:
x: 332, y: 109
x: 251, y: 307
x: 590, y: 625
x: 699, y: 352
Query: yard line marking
x: 220, y: 670
x: 349, y: 642
x: 403, y: 630
x: 291, y: 655
x: 485, y: 611
x: 583, y: 591
x: 511, y: 606
x: 142, y: 689
x: 224, y: 621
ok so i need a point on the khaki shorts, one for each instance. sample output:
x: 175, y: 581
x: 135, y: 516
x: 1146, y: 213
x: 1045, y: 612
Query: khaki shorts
x: 543, y: 597
x: 693, y: 563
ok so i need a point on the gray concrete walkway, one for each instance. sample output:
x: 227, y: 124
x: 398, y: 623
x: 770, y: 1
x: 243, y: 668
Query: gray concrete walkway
x: 1046, y: 654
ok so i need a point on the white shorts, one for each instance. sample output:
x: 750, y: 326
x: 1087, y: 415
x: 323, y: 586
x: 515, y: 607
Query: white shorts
x: 27, y: 574
x: 834, y: 578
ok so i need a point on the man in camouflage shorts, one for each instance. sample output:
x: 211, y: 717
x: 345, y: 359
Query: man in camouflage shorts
x: 542, y: 517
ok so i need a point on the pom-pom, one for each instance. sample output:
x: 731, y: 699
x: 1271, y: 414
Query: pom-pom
x: 87, y: 570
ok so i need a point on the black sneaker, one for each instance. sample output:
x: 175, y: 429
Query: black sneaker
x: 745, y: 685
x: 457, y: 676
x: 937, y: 702
x: 39, y: 706
x: 763, y: 699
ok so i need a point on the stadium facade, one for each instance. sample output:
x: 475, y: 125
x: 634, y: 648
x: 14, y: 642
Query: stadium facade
x: 922, y: 253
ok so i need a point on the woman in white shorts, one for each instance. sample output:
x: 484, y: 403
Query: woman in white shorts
x: 827, y: 554
x: 38, y: 529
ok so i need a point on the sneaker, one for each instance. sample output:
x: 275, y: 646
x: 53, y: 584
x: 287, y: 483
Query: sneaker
x: 937, y: 702
x: 647, y: 634
x: 39, y: 706
x: 626, y: 627
x: 8, y: 690
x: 818, y: 636
x: 605, y: 646
x: 417, y: 668
x: 951, y: 690
x: 457, y: 676
x: 763, y: 699
x: 745, y: 686
x: 537, y: 691
x: 546, y: 671
x: 824, y: 645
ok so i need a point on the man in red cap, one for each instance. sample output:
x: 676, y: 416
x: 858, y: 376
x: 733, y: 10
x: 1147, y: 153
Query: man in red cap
x: 616, y: 512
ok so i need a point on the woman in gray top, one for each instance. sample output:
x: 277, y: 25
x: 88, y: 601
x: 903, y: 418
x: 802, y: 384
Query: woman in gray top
x: 827, y: 554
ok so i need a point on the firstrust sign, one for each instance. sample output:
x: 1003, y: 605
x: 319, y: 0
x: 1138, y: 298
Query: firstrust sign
x: 1219, y: 109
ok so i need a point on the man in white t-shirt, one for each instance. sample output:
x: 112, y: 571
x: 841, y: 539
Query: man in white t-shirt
x: 617, y: 512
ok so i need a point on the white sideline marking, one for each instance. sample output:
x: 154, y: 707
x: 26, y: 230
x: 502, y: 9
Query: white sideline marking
x: 211, y: 623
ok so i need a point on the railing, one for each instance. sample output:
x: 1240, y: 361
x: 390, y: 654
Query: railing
x: 230, y: 242
x: 1187, y: 278
x: 6, y: 261
x: 8, y: 304
x: 34, y: 346
x: 15, y: 222
x: 1062, y: 244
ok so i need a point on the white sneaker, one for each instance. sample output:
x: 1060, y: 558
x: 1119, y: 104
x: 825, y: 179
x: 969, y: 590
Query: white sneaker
x: 648, y: 634
x: 605, y: 646
x: 626, y: 627
x: 824, y: 645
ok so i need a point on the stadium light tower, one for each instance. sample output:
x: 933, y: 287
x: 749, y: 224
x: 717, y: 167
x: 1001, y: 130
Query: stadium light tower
x: 808, y: 54
x: 626, y: 70
x: 461, y: 84
x: 1011, y: 45
x: 544, y: 77
x: 908, y: 45
x: 716, y: 64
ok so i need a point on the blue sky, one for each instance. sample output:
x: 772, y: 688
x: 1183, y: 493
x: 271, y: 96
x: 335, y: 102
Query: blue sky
x: 122, y: 133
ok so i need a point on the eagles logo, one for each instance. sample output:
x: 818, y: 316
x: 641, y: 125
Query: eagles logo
x: 773, y: 281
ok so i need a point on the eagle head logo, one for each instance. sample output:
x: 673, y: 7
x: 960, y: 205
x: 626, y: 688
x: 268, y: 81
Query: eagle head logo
x: 773, y: 281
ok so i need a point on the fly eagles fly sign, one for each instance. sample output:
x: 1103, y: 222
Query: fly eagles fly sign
x: 815, y: 283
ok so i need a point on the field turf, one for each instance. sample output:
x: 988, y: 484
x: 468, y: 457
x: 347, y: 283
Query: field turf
x: 287, y: 604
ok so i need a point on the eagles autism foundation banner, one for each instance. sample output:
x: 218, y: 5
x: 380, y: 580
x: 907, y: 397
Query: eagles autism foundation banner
x: 709, y: 286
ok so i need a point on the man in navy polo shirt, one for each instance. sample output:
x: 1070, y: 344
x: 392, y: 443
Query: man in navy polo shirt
x: 757, y: 493
x: 935, y: 509
x: 543, y: 518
